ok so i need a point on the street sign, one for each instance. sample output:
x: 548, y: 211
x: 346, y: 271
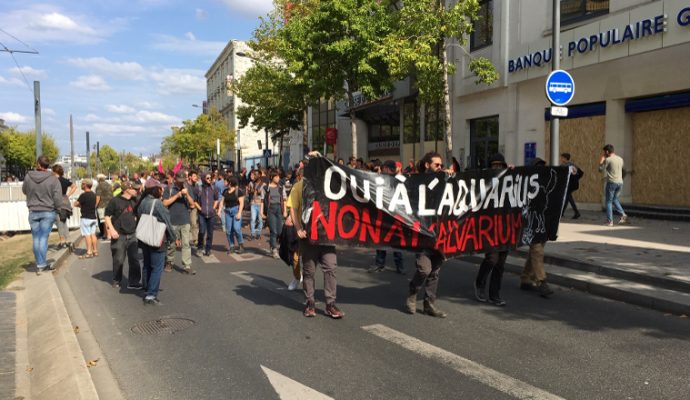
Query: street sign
x: 560, y: 87
x: 559, y: 111
x: 267, y: 152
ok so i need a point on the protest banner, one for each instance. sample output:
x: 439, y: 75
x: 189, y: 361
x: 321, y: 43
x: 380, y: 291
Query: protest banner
x: 469, y: 212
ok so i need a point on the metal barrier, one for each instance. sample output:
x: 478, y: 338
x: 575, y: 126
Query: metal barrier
x: 14, y: 215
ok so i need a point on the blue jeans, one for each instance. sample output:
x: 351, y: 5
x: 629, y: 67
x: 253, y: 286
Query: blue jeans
x: 275, y: 223
x: 612, y: 192
x: 397, y: 258
x: 41, y: 223
x: 233, y: 226
x: 154, y: 260
x: 256, y: 232
x: 206, y: 229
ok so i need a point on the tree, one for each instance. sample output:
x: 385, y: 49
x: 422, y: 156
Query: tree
x: 417, y: 44
x: 19, y: 148
x: 108, y: 160
x: 330, y: 47
x: 196, y: 139
x: 272, y: 98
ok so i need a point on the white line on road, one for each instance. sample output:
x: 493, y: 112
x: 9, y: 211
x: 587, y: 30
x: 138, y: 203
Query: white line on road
x: 469, y: 368
x: 296, y: 295
x: 210, y: 259
x: 289, y: 389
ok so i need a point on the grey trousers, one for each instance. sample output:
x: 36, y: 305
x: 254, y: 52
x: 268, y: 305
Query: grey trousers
x: 325, y: 256
x: 126, y: 246
x: 428, y: 269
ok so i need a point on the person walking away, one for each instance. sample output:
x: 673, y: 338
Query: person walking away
x: 104, y: 193
x: 87, y: 201
x: 219, y: 184
x: 494, y: 261
x: 275, y: 210
x: 573, y: 184
x: 206, y: 202
x: 428, y: 264
x: 121, y: 224
x: 43, y: 198
x: 533, y: 276
x: 154, y: 256
x: 612, y: 165
x: 231, y: 205
x: 293, y: 258
x: 65, y: 211
x: 313, y: 254
x: 179, y: 201
x: 192, y: 180
x: 256, y: 190
x: 388, y: 167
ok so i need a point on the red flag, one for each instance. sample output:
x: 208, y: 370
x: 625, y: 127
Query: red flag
x: 177, y: 167
x: 160, y: 166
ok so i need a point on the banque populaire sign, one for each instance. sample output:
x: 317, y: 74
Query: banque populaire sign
x: 610, y: 38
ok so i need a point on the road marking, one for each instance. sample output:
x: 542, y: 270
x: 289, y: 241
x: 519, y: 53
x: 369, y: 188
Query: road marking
x: 246, y: 256
x: 469, y: 368
x: 289, y: 389
x: 296, y: 295
x: 210, y: 259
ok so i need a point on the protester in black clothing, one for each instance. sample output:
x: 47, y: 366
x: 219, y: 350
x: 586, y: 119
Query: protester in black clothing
x: 87, y: 202
x: 121, y: 224
x: 65, y: 211
x: 573, y: 184
x: 494, y: 261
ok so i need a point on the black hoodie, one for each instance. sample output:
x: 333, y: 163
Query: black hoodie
x: 43, y: 191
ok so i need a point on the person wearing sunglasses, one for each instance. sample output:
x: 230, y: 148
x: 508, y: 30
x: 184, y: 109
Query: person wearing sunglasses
x: 207, y: 201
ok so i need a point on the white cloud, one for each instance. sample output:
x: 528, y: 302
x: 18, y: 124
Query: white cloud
x: 147, y: 104
x: 188, y: 45
x: 91, y: 118
x: 48, y: 23
x: 11, y: 81
x: 91, y: 82
x: 154, y: 116
x: 201, y: 14
x: 174, y: 81
x: 48, y: 111
x: 29, y: 72
x: 253, y: 8
x: 13, y: 118
x: 120, y: 109
x: 112, y: 69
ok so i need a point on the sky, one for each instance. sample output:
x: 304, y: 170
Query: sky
x: 127, y: 70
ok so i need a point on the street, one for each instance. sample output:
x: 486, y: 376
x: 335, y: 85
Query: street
x: 249, y: 339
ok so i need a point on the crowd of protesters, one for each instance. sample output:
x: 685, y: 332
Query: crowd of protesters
x: 192, y: 204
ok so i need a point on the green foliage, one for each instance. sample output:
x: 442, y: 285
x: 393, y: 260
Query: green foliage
x: 19, y: 148
x: 484, y: 69
x: 80, y: 172
x: 195, y: 140
x: 273, y: 101
x: 108, y: 160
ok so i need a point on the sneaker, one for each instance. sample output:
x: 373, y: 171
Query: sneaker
x: 430, y: 309
x: 135, y: 286
x: 497, y: 301
x: 544, y: 289
x: 411, y: 303
x: 168, y: 267
x: 239, y: 249
x: 376, y: 268
x: 150, y: 300
x: 624, y: 220
x: 39, y: 271
x: 116, y: 285
x: 333, y: 311
x: 207, y: 253
x: 309, y: 310
x: 293, y: 285
x: 479, y: 293
x: 275, y: 254
x: 608, y: 223
x: 189, y: 271
x: 576, y: 216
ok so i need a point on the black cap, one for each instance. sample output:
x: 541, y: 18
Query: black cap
x: 390, y: 164
x: 538, y: 162
x: 497, y: 159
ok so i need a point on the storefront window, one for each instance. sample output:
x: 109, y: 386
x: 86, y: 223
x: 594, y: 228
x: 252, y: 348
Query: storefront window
x: 411, y: 125
x: 578, y: 10
x: 483, y: 141
x: 322, y: 117
x: 483, y: 26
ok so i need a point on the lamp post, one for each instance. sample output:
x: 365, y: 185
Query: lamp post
x: 555, y: 64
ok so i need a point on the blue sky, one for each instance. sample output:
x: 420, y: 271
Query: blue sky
x: 127, y: 70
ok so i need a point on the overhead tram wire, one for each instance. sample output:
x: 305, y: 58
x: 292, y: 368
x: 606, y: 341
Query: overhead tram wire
x: 6, y: 49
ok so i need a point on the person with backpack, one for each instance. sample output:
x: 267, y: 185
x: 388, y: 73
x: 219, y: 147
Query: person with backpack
x: 275, y: 210
x: 573, y: 184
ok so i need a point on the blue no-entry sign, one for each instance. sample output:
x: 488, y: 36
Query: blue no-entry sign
x: 560, y: 87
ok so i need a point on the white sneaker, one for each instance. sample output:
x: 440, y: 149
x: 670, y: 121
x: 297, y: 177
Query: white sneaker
x: 275, y: 254
x: 293, y: 285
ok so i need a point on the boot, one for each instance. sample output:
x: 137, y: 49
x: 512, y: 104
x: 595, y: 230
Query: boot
x: 240, y: 249
x: 411, y: 303
x: 430, y: 309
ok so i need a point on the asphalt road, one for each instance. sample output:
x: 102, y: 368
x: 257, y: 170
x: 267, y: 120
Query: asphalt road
x: 248, y: 329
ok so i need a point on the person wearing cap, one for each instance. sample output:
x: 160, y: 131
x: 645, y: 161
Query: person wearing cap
x: 388, y: 167
x: 178, y: 199
x: 154, y: 257
x: 104, y: 192
x: 428, y: 264
x: 494, y: 261
x: 121, y: 225
x: 533, y: 276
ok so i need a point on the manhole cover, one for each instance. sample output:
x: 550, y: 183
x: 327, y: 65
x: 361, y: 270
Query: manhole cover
x: 162, y: 326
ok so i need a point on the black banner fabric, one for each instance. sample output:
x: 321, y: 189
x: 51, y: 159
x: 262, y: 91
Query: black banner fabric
x: 470, y: 212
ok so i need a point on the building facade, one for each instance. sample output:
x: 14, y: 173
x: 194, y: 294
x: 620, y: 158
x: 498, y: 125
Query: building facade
x: 630, y: 60
x: 232, y: 63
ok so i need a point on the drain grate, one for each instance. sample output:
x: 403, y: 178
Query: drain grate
x: 162, y: 326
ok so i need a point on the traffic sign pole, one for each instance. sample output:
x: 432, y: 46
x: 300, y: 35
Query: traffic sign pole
x: 555, y: 65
